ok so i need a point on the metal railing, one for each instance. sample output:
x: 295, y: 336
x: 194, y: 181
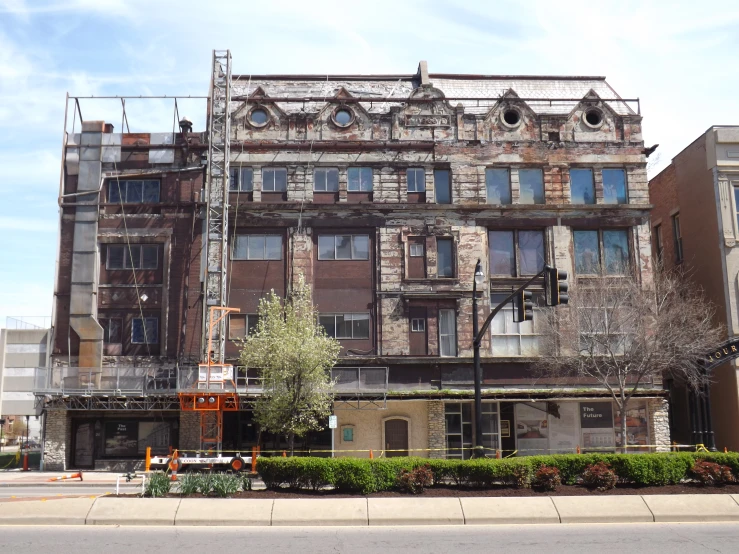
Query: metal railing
x: 360, y: 380
x: 102, y: 380
x: 122, y: 380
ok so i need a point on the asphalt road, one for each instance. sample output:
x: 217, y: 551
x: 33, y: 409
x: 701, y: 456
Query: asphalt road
x: 45, y: 491
x: 531, y: 539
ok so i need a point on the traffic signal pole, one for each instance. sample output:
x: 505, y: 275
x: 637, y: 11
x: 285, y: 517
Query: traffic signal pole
x: 479, y: 451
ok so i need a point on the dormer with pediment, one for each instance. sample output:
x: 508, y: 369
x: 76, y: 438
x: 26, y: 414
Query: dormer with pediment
x: 511, y: 119
x: 430, y: 119
x: 259, y: 119
x: 593, y: 120
x: 341, y: 119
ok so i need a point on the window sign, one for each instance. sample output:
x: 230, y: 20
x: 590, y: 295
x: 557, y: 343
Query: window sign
x: 563, y: 431
x: 121, y: 438
x: 596, y: 422
x: 532, y: 430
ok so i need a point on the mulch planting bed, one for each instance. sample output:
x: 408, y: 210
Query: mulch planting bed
x: 455, y: 492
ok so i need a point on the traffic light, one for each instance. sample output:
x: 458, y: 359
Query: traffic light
x: 525, y: 305
x: 556, y: 286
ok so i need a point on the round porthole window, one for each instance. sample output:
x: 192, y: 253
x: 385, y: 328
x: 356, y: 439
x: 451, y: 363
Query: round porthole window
x: 258, y: 117
x: 343, y: 117
x: 593, y: 118
x: 511, y: 117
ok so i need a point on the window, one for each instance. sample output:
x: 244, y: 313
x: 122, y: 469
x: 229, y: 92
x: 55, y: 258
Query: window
x: 659, y: 249
x: 241, y: 179
x: 241, y: 325
x: 343, y: 247
x: 134, y: 256
x: 614, y: 186
x: 416, y: 250
x: 678, y: 238
x: 508, y: 337
x: 582, y: 189
x: 418, y: 325
x: 443, y: 186
x: 258, y: 117
x: 604, y: 330
x: 274, y: 179
x: 359, y: 179
x: 416, y: 178
x: 112, y: 329
x: 531, y: 186
x: 133, y: 192
x: 736, y: 204
x: 516, y: 253
x: 459, y: 425
x: 599, y: 252
x: 346, y: 326
x: 458, y: 429
x: 343, y: 117
x: 257, y: 247
x: 498, y: 183
x: 447, y: 333
x: 444, y: 257
x: 145, y: 331
x: 326, y: 179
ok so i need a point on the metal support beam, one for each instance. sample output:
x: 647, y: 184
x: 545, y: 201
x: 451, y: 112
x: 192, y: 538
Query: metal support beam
x: 219, y: 151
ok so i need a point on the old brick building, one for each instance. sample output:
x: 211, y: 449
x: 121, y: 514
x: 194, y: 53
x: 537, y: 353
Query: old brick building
x: 383, y: 191
x: 695, y: 226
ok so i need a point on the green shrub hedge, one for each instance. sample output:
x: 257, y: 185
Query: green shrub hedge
x: 361, y: 475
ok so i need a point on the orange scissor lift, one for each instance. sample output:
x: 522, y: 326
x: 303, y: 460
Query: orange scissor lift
x: 215, y: 393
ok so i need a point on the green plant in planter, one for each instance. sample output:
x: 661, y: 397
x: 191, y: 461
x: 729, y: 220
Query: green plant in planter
x: 189, y: 484
x: 157, y: 485
x: 225, y: 484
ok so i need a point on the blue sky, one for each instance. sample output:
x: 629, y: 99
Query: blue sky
x: 678, y: 57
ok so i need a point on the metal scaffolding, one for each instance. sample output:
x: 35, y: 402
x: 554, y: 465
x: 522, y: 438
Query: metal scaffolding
x: 219, y: 133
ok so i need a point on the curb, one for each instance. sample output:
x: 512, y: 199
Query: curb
x: 363, y: 512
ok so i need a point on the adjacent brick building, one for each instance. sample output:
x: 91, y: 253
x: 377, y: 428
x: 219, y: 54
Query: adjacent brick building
x: 383, y: 191
x: 695, y: 226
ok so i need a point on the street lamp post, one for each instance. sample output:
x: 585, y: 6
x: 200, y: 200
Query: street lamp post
x: 479, y: 279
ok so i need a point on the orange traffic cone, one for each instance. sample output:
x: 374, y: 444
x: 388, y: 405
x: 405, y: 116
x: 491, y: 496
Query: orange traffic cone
x: 372, y: 456
x: 284, y: 454
x: 70, y: 476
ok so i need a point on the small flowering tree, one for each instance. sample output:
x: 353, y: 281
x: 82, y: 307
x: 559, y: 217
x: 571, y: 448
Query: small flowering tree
x: 295, y: 357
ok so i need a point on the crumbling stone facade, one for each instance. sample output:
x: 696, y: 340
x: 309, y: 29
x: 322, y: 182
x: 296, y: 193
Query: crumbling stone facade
x: 383, y: 193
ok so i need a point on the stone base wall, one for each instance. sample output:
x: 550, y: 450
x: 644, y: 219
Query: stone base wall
x: 659, y: 423
x: 189, y: 430
x: 437, y: 429
x: 58, y: 440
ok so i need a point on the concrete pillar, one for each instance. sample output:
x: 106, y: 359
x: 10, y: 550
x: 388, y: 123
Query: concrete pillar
x: 58, y: 440
x: 436, y: 429
x: 659, y: 423
x: 189, y: 430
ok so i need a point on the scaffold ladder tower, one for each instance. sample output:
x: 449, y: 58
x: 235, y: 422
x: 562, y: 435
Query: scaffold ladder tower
x: 219, y: 140
x: 216, y: 193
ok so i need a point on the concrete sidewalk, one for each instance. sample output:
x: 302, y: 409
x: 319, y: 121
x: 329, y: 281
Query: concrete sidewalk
x: 363, y: 511
x: 18, y: 478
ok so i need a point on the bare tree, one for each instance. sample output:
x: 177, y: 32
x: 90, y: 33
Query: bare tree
x: 626, y: 335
